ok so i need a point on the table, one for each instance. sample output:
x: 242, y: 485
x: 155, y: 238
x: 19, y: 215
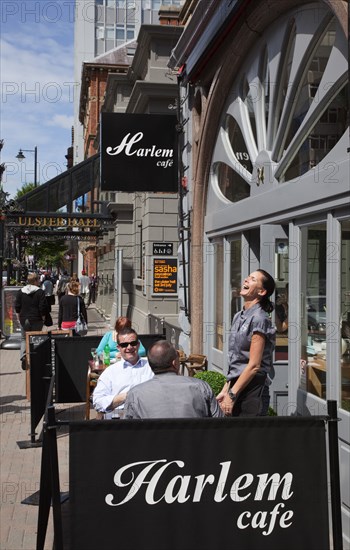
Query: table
x: 91, y: 381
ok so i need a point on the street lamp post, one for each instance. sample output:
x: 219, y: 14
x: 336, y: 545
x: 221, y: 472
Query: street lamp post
x: 21, y: 157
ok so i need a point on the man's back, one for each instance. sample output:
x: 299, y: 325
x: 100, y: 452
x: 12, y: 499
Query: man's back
x: 169, y: 395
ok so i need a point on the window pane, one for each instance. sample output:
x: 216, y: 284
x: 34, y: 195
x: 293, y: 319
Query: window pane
x: 236, y: 277
x: 230, y: 183
x: 110, y: 33
x: 313, y: 307
x: 219, y: 283
x: 120, y: 33
x: 249, y: 99
x: 281, y: 300
x: 322, y: 138
x: 345, y: 310
x: 310, y: 84
x: 130, y: 32
x: 238, y: 145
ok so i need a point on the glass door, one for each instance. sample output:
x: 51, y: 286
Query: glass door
x: 313, y: 310
x: 274, y: 258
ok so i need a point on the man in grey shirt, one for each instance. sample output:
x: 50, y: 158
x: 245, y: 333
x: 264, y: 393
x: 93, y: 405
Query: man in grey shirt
x: 168, y: 395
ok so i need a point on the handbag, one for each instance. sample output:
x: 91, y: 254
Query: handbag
x: 80, y: 327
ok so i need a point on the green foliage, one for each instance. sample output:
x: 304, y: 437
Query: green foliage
x: 26, y: 188
x: 215, y: 379
x: 271, y: 412
x: 49, y: 253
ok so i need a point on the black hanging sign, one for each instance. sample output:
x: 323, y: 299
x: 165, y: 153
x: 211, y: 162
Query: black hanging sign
x: 199, y: 484
x: 138, y: 153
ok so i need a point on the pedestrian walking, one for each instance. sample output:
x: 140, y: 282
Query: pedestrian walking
x: 84, y: 286
x: 68, y: 307
x: 62, y: 284
x: 31, y: 307
x: 92, y: 289
x: 47, y: 287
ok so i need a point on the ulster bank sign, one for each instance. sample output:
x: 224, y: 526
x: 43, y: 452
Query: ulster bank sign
x: 138, y: 153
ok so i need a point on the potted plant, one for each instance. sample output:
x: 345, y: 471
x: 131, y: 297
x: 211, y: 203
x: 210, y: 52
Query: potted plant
x: 216, y: 381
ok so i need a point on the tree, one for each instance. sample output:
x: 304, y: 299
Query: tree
x: 26, y: 188
x: 47, y: 252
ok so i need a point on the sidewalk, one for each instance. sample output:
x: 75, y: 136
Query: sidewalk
x: 20, y: 468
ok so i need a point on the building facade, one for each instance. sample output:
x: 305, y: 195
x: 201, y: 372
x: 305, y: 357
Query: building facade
x: 266, y: 118
x: 101, y: 26
x: 127, y: 254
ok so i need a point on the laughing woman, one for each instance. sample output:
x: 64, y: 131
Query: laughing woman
x: 251, y: 345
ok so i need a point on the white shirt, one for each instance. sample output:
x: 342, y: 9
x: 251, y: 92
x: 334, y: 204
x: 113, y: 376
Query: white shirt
x: 119, y: 378
x: 84, y: 284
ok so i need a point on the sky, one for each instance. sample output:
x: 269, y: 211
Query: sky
x: 37, y: 88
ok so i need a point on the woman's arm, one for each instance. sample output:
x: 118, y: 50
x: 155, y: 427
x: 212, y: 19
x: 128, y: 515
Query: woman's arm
x: 102, y: 343
x: 142, y: 350
x: 255, y: 355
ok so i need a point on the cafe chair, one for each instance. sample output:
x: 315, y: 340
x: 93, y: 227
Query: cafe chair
x: 194, y: 363
x: 182, y: 358
x: 91, y: 381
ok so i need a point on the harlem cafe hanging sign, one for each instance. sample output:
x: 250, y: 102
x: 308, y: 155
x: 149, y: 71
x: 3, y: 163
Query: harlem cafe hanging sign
x: 138, y: 153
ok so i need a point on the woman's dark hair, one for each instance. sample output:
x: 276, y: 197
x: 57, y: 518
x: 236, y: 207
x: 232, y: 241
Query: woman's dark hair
x: 268, y: 285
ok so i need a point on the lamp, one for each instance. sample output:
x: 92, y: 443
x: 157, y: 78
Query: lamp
x: 21, y: 157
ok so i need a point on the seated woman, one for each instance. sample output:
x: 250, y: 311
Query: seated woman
x: 110, y: 338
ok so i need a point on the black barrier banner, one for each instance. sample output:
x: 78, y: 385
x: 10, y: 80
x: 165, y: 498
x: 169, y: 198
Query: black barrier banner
x: 138, y: 152
x: 40, y: 375
x: 72, y: 363
x: 250, y: 484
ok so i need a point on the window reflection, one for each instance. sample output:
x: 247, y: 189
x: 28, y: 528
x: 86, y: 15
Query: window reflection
x: 331, y: 125
x: 322, y: 138
x: 281, y: 299
x: 313, y: 306
x: 230, y: 183
x: 218, y: 286
x: 345, y: 316
x: 236, y: 277
x: 249, y: 98
x: 238, y: 144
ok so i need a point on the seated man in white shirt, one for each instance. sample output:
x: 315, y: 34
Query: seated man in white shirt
x: 168, y: 395
x: 116, y: 380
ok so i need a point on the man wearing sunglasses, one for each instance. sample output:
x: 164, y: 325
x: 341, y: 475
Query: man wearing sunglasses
x: 116, y: 380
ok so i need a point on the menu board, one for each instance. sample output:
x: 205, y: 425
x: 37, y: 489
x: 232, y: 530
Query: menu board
x: 164, y: 273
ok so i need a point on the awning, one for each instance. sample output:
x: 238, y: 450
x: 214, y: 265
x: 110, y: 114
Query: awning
x: 62, y: 190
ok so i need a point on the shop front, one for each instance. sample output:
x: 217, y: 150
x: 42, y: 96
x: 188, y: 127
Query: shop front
x: 269, y: 127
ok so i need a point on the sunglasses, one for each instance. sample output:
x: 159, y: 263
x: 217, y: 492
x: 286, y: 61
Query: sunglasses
x: 126, y: 344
